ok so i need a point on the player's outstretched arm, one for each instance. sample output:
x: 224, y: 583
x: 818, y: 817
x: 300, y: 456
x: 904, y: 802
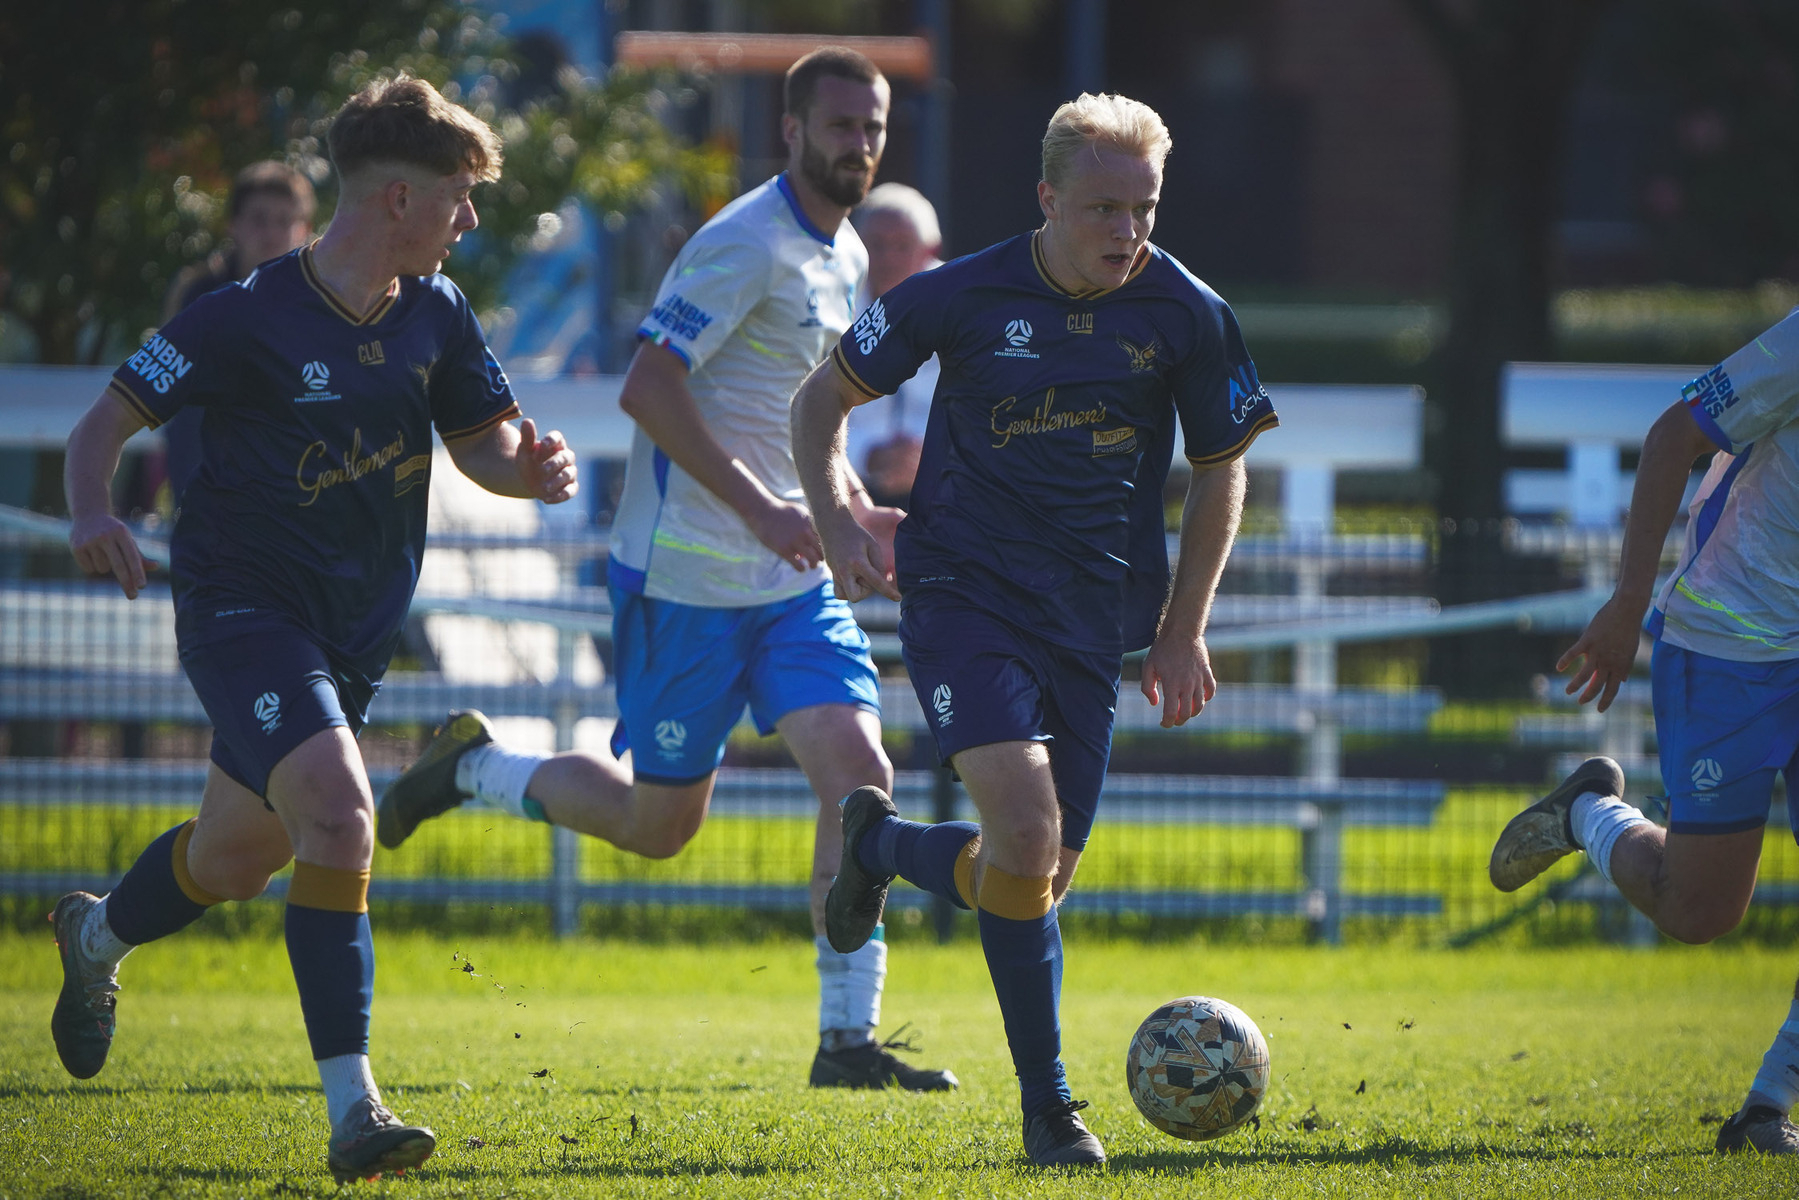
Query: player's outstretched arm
x: 1607, y: 649
x: 1177, y: 672
x: 656, y: 396
x: 849, y: 526
x: 100, y: 541
x: 510, y: 461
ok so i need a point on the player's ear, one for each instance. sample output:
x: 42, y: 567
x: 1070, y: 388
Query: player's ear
x: 396, y: 197
x: 791, y: 130
x: 1046, y: 199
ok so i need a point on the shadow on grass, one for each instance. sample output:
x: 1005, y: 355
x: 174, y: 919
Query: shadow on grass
x: 1387, y: 1152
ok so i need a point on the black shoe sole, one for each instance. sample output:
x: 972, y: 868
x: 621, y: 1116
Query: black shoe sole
x: 849, y: 923
x: 72, y: 1009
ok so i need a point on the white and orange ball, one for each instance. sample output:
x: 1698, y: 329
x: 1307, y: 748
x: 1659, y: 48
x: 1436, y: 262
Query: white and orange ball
x: 1197, y: 1068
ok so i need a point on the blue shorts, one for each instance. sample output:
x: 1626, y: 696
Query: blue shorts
x: 267, y: 686
x: 684, y: 674
x: 1724, y: 728
x: 982, y: 680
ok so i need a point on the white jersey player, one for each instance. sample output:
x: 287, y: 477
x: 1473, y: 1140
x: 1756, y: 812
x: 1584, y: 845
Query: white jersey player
x: 1725, y: 683
x: 720, y: 597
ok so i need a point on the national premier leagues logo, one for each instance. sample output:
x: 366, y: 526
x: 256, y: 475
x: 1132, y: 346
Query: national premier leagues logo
x: 671, y: 736
x: 317, y: 378
x: 1018, y: 340
x: 1707, y: 775
x: 941, y: 701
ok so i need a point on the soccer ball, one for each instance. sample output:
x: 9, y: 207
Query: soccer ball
x: 1197, y: 1068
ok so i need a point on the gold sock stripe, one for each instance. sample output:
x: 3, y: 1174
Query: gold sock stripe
x: 332, y: 889
x: 183, y: 878
x: 965, y: 871
x: 1015, y: 897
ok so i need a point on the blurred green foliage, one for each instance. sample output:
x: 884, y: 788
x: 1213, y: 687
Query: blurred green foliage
x: 115, y: 158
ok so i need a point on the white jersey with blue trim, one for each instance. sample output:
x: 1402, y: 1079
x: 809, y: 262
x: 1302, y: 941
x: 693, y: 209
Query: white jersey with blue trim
x: 752, y: 303
x: 1735, y: 594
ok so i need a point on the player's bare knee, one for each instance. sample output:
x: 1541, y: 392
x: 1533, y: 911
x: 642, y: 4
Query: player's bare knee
x: 231, y: 881
x: 664, y: 837
x: 1696, y: 925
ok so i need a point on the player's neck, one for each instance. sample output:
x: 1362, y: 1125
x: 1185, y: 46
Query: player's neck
x: 1059, y: 262
x: 823, y: 212
x: 360, y: 274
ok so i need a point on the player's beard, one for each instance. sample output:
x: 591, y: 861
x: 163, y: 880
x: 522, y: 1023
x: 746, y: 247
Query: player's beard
x: 822, y: 175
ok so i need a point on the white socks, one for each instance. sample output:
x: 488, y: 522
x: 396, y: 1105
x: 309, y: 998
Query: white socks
x: 98, y: 941
x: 849, y: 986
x: 1599, y: 821
x: 498, y: 777
x: 1777, y: 1083
x: 347, y: 1080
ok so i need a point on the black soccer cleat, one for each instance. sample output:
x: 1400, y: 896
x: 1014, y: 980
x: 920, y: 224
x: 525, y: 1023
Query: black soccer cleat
x: 874, y: 1065
x: 1761, y: 1129
x: 428, y: 787
x: 85, y: 1017
x: 858, y: 896
x: 372, y: 1141
x: 1533, y: 840
x: 1059, y: 1138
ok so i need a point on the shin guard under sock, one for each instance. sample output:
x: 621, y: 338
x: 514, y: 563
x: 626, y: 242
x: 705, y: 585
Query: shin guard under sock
x: 1023, y: 945
x: 333, y: 956
x: 158, y: 896
x: 926, y: 856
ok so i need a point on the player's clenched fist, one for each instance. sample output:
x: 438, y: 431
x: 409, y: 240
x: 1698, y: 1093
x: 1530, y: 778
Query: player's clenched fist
x: 859, y: 565
x: 546, y: 464
x: 104, y: 546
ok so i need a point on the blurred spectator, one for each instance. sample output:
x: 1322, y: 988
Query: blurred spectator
x: 899, y: 227
x: 269, y: 213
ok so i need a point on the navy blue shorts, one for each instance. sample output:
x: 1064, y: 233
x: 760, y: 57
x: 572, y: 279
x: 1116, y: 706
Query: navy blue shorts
x: 982, y: 680
x: 684, y: 674
x: 267, y: 686
x: 1724, y: 728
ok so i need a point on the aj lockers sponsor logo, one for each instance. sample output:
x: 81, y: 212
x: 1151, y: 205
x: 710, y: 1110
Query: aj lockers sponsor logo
x: 160, y: 364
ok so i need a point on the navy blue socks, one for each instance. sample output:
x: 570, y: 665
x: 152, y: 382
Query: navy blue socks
x: 158, y: 897
x: 333, y: 956
x: 930, y: 857
x: 1023, y: 944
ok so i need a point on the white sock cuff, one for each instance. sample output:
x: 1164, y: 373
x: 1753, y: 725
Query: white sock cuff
x: 1599, y: 821
x: 98, y: 941
x: 498, y: 777
x: 850, y: 985
x: 347, y: 1079
x: 1777, y: 1082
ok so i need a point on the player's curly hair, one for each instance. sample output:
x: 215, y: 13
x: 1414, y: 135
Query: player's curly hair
x: 406, y: 120
x: 1128, y: 125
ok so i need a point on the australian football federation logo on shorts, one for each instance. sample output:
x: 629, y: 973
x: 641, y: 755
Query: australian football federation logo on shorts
x: 1707, y: 775
x: 268, y: 710
x: 941, y: 701
x: 671, y: 736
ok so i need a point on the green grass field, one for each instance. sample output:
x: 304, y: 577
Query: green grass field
x: 619, y: 1069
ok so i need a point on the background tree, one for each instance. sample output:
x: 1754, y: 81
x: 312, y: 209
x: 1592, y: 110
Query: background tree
x: 115, y: 161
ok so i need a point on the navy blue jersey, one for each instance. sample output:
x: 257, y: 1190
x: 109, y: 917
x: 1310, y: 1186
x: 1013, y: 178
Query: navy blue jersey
x: 315, y: 447
x: 1039, y: 492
